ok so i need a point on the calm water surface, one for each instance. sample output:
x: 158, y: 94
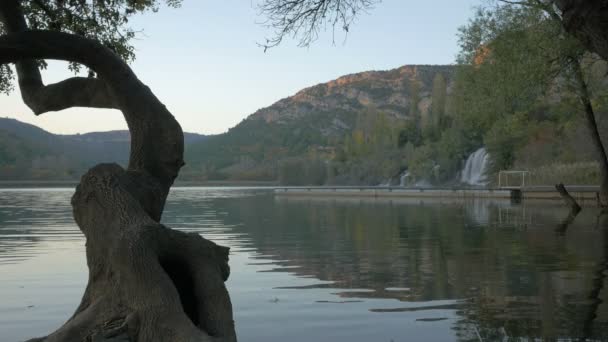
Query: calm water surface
x: 306, y: 269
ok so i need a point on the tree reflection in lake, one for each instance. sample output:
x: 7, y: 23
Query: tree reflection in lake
x: 511, y: 272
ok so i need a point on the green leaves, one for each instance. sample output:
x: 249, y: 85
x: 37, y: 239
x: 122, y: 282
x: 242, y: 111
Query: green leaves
x: 505, y: 138
x: 514, y: 57
x: 106, y: 21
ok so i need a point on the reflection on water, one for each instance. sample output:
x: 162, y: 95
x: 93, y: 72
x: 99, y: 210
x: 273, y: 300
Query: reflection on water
x: 338, y: 269
x: 28, y: 217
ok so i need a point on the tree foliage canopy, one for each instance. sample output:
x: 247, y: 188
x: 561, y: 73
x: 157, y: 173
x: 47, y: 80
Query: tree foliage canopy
x: 511, y: 56
x: 103, y: 21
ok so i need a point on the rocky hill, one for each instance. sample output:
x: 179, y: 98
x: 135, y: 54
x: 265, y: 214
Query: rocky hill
x: 392, y: 92
x: 316, y: 118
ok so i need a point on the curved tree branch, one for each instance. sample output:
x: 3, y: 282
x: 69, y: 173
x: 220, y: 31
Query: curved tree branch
x: 40, y: 98
x: 71, y: 92
x: 157, y: 143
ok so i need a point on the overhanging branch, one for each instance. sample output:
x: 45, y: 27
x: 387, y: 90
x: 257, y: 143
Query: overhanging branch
x: 28, y: 45
x: 304, y: 19
x: 72, y: 92
x: 40, y: 98
x: 157, y: 140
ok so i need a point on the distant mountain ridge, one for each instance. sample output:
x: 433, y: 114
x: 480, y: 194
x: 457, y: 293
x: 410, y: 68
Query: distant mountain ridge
x: 28, y: 152
x: 125, y: 136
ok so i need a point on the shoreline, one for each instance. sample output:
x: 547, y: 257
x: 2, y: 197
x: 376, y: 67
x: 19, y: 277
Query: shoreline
x: 585, y: 194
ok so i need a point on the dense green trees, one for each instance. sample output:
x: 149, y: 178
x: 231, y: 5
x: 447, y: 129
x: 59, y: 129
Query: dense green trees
x: 302, y: 171
x: 520, y: 68
x: 518, y: 90
x: 370, y: 152
x: 438, y: 98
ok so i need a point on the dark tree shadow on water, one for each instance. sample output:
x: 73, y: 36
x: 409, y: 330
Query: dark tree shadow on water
x: 562, y: 227
x: 599, y: 273
x: 599, y: 277
x: 575, y: 209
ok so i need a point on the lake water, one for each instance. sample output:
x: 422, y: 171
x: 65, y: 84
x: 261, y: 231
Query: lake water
x: 321, y: 269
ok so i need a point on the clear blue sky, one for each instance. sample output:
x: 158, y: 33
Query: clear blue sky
x: 202, y: 60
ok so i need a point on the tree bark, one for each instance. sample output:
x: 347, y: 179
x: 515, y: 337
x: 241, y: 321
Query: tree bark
x: 591, y: 123
x: 588, y: 21
x: 146, y: 282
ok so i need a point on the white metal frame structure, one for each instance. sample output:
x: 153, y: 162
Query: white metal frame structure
x: 503, y: 179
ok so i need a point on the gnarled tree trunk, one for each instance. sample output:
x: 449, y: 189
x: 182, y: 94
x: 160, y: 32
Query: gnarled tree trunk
x: 588, y: 21
x: 146, y: 282
x: 594, y: 133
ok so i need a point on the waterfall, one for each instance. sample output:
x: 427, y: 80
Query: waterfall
x: 403, y: 178
x: 475, y: 168
x: 406, y: 179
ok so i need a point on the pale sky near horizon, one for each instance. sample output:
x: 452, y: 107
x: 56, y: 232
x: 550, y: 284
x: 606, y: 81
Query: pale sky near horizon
x: 203, y: 62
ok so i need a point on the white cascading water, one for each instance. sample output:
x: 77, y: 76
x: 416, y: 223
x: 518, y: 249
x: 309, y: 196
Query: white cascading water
x: 403, y: 178
x: 475, y: 168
